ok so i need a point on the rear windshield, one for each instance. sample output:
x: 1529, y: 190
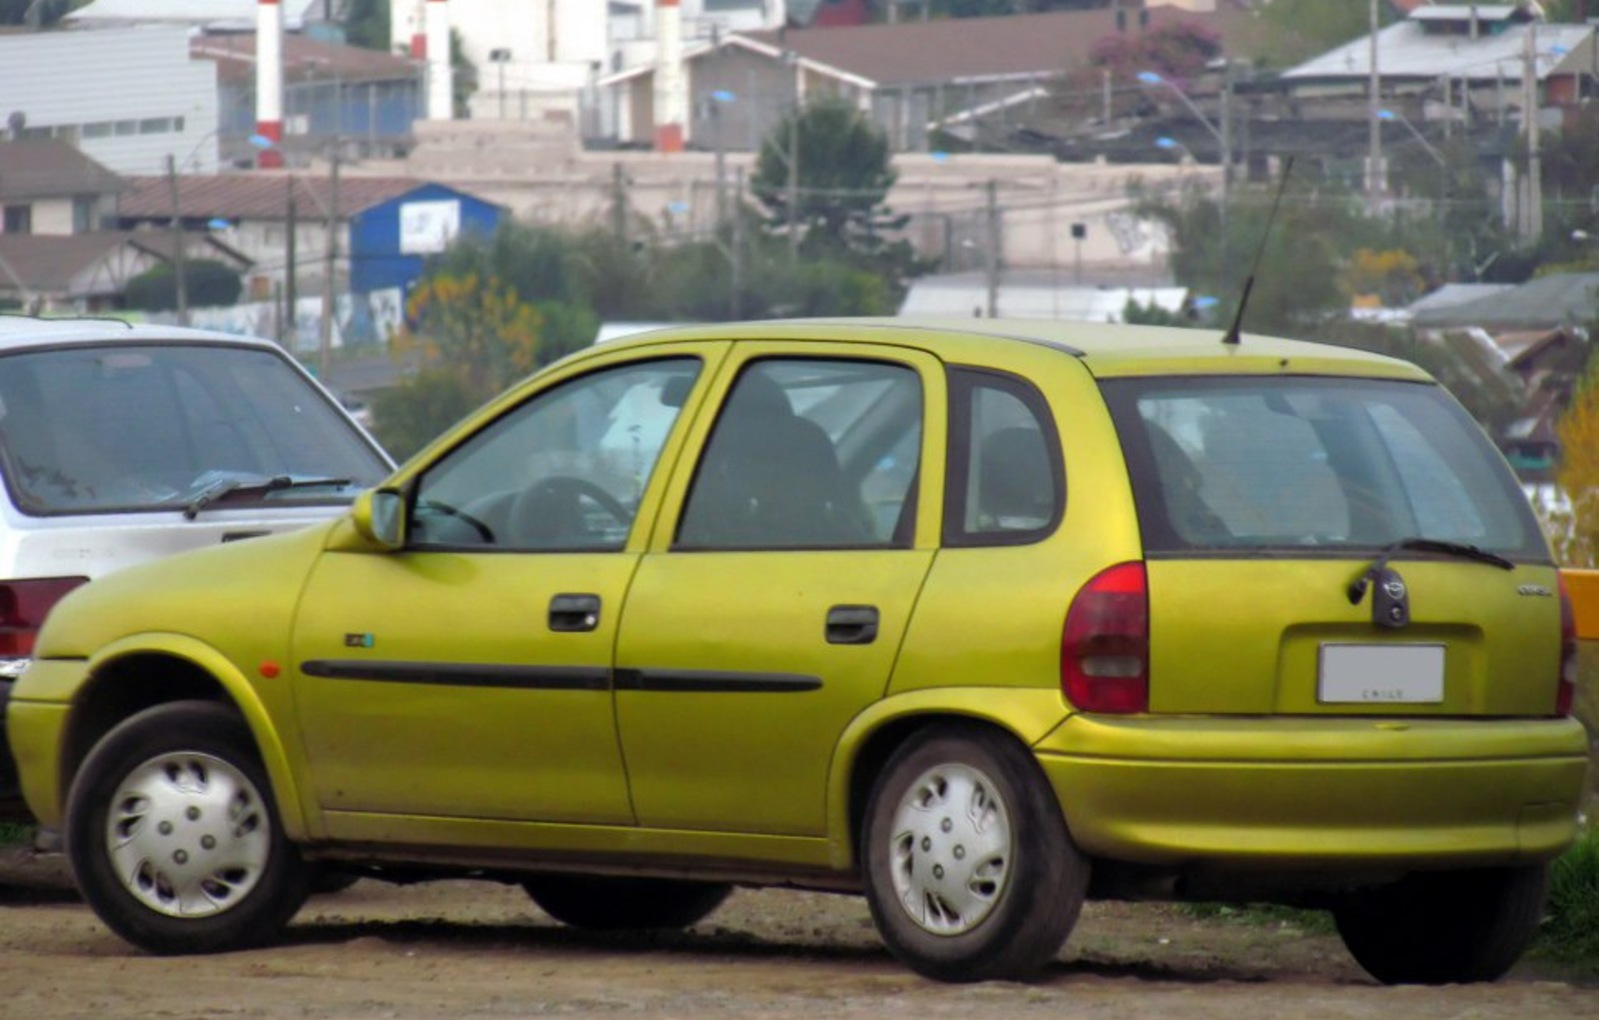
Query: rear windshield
x: 91, y: 429
x: 1291, y: 465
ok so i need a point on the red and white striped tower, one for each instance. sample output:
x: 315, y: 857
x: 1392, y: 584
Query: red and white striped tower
x: 671, y: 84
x: 269, y: 80
x: 441, y: 85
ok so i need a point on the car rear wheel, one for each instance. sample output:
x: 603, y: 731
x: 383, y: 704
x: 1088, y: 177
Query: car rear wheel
x: 1444, y: 927
x: 172, y: 838
x: 970, y: 871
x: 611, y: 903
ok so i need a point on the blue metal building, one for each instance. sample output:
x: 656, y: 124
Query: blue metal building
x: 390, y: 239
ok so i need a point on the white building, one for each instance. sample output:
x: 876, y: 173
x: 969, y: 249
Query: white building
x: 127, y: 97
x: 538, y: 60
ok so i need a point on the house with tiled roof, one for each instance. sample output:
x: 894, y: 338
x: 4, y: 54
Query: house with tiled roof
x: 912, y: 77
x: 383, y: 227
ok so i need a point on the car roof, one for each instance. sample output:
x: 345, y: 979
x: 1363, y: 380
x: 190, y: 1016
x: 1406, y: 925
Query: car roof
x: 23, y: 331
x: 1107, y: 349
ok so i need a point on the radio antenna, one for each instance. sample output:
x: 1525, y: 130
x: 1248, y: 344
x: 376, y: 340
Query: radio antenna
x: 1233, y: 334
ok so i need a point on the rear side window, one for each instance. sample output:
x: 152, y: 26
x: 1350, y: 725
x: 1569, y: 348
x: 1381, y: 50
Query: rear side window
x: 1297, y: 464
x: 1004, y: 480
x: 810, y: 454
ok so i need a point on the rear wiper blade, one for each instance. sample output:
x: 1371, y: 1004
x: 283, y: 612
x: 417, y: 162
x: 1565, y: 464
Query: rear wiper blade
x: 223, y: 487
x: 1459, y: 550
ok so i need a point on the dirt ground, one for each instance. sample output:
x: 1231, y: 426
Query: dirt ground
x: 472, y: 949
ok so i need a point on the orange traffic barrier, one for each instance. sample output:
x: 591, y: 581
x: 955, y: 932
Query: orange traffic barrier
x: 1584, y: 588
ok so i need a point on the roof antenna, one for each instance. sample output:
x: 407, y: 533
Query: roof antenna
x: 1233, y: 336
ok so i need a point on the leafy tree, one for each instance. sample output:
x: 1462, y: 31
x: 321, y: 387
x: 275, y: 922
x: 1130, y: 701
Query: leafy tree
x: 207, y: 284
x: 1576, y: 538
x: 1392, y: 275
x: 1300, y: 29
x: 46, y: 13
x: 367, y: 24
x: 1176, y: 51
x: 476, y: 327
x: 411, y: 415
x: 844, y: 176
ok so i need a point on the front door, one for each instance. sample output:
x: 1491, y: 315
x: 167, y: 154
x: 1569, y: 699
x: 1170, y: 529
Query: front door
x: 469, y: 675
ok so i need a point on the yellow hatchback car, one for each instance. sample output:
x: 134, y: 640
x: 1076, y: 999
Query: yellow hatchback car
x: 979, y: 618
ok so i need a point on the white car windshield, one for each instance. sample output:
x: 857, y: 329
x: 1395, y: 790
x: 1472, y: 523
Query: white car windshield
x: 90, y: 429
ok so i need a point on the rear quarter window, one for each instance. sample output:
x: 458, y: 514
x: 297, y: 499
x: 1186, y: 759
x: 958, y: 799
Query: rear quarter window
x: 1292, y: 465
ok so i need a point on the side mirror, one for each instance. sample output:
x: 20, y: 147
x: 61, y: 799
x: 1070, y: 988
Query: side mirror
x: 379, y: 517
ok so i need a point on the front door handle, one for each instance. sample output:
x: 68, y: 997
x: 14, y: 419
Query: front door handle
x: 574, y: 613
x: 852, y: 625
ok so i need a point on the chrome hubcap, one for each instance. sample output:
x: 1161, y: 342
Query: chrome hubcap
x: 188, y: 834
x: 951, y: 849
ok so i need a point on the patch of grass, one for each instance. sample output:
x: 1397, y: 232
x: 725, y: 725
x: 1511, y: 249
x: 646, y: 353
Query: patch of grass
x: 13, y: 834
x: 1570, y: 932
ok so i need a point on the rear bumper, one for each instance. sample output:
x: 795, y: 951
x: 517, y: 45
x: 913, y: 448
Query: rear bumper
x: 1331, y: 794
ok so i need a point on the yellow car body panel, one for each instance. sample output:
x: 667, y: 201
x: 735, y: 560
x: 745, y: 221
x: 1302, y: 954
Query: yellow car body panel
x: 1314, y: 793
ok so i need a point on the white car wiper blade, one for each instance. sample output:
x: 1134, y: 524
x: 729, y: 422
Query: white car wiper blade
x: 224, y: 487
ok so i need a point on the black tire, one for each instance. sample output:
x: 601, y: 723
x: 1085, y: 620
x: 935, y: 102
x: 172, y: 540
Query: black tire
x: 1447, y: 927
x: 204, y: 866
x: 616, y: 903
x: 1017, y: 889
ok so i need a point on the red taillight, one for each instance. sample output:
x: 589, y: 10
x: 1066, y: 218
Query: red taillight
x: 1104, y: 649
x: 23, y: 605
x: 1566, y: 692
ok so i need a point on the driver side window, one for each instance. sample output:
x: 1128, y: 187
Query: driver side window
x: 564, y: 471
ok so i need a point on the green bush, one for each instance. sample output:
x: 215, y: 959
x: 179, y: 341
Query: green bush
x: 13, y: 834
x: 207, y: 284
x: 1571, y: 928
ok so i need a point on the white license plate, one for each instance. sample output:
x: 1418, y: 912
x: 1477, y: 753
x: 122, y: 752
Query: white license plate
x: 1381, y: 674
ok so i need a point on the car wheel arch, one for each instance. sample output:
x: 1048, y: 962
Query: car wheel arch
x: 128, y: 681
x: 868, y: 744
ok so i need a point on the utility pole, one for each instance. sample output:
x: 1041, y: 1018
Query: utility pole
x: 291, y: 297
x: 792, y: 59
x: 1375, y: 176
x: 619, y: 202
x: 991, y: 249
x: 325, y: 346
x: 1532, y: 191
x: 736, y: 298
x: 178, y: 269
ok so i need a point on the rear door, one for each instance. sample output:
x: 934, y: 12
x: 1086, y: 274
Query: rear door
x: 1268, y: 506
x: 770, y: 609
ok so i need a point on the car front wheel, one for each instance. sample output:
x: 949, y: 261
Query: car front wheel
x: 970, y: 871
x: 1444, y: 927
x: 173, y: 839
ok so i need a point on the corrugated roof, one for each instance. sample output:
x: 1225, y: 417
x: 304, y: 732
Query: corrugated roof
x: 951, y: 50
x: 50, y: 168
x: 256, y: 196
x: 1547, y: 301
x: 303, y: 60
x: 1407, y: 50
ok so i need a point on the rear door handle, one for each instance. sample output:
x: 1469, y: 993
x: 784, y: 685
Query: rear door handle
x: 852, y: 625
x: 574, y: 613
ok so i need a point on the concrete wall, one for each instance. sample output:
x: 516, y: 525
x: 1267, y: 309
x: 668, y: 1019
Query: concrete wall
x: 541, y: 175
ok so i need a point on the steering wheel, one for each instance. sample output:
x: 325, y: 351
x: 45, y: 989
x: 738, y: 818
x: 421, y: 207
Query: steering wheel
x: 550, y: 511
x: 455, y: 513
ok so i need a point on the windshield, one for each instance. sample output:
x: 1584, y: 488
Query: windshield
x: 92, y: 429
x: 1291, y: 465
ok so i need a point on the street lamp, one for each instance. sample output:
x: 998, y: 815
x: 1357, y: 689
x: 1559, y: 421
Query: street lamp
x: 1173, y: 145
x: 500, y: 56
x: 1151, y: 78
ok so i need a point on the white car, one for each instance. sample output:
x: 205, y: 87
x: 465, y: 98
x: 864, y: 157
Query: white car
x: 120, y: 444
